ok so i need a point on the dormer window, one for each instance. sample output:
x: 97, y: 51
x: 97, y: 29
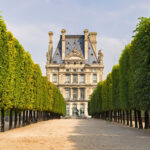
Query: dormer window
x: 57, y: 54
x: 91, y: 54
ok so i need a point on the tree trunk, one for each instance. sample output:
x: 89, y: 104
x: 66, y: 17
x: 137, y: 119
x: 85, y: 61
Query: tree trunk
x: 37, y: 116
x: 23, y: 118
x: 135, y: 118
x: 140, y: 119
x: 131, y: 118
x: 2, y: 120
x: 19, y: 119
x: 15, y: 123
x: 34, y: 116
x: 146, y: 119
x: 10, y: 119
x: 111, y: 115
x: 27, y: 118
x: 114, y: 116
x: 43, y: 115
x: 127, y: 114
x: 123, y: 117
x: 30, y: 116
x: 118, y: 116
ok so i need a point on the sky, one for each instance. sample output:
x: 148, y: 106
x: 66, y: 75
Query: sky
x: 113, y: 20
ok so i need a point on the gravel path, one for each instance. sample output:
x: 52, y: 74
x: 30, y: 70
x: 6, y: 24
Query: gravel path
x: 75, y: 134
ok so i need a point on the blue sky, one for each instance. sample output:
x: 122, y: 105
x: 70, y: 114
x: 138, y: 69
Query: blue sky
x: 113, y: 20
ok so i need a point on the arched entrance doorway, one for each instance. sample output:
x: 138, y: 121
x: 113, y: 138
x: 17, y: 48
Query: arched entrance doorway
x: 82, y: 110
x: 74, y: 110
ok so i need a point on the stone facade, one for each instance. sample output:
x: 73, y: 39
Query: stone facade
x: 75, y: 68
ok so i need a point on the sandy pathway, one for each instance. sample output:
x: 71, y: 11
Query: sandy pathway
x: 70, y: 134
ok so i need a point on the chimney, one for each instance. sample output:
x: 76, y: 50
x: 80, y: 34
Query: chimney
x: 100, y: 57
x: 92, y: 37
x: 86, y: 43
x: 63, y: 32
x: 50, y: 48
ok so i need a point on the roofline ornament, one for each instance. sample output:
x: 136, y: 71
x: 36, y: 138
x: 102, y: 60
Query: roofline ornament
x: 75, y: 53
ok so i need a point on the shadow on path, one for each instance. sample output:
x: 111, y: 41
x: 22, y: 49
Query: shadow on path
x: 95, y: 134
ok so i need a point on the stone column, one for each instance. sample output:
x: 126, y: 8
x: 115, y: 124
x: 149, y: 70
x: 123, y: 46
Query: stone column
x: 92, y: 37
x: 98, y: 76
x: 85, y: 109
x: 63, y: 31
x: 51, y: 77
x: 101, y: 74
x: 86, y: 43
x: 50, y: 48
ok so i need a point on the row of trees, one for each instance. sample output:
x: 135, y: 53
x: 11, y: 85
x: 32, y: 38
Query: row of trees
x: 126, y: 90
x: 23, y: 89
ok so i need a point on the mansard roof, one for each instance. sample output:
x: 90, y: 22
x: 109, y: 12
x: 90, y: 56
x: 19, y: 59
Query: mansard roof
x: 74, y: 42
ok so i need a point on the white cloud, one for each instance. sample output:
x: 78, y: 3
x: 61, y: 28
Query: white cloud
x: 111, y: 48
x: 113, y: 44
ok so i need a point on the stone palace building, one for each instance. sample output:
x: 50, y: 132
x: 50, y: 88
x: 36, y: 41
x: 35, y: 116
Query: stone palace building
x: 75, y: 69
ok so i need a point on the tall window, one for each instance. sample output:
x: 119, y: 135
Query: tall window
x: 75, y: 93
x: 67, y: 78
x: 67, y: 110
x: 74, y: 78
x: 94, y: 70
x: 74, y: 110
x: 82, y: 109
x: 54, y: 70
x: 67, y: 93
x: 82, y: 93
x: 82, y: 78
x: 54, y: 78
x: 94, y: 78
